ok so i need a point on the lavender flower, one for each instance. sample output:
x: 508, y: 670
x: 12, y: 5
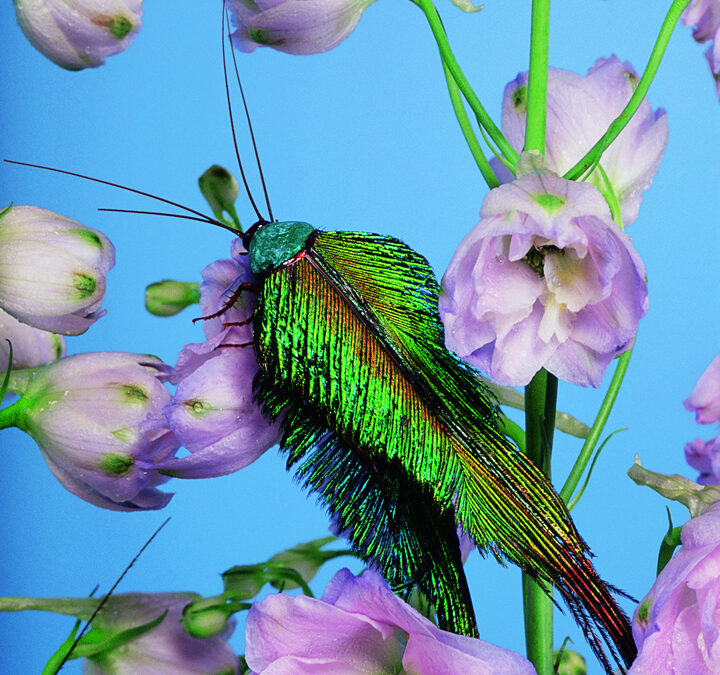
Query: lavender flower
x: 52, y: 270
x: 545, y: 280
x: 705, y: 15
x: 579, y: 111
x: 31, y: 346
x: 360, y: 626
x: 213, y: 413
x: 704, y: 400
x: 95, y: 418
x: 675, y: 625
x: 79, y: 34
x: 294, y: 26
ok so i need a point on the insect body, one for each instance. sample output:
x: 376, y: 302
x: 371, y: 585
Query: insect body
x: 396, y: 435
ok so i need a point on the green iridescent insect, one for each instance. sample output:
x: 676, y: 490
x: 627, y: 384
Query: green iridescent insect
x: 397, y: 436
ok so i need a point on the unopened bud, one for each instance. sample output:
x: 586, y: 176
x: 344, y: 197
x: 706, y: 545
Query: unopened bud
x: 570, y: 663
x: 168, y: 297
x: 220, y: 189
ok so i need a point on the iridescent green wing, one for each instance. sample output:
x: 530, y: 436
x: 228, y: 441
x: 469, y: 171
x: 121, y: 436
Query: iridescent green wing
x: 351, y: 326
x: 391, y: 520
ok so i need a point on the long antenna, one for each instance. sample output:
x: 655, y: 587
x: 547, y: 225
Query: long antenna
x: 102, y: 602
x: 232, y: 124
x: 250, y: 127
x: 202, y: 217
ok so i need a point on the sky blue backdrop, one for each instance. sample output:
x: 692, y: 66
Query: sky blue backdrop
x: 360, y: 138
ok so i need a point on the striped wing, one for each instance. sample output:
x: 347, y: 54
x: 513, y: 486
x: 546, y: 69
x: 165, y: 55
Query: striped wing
x: 351, y: 327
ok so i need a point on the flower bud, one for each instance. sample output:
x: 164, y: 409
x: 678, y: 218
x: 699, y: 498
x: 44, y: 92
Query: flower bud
x: 570, y: 663
x: 206, y: 617
x: 168, y: 297
x: 220, y: 189
x: 97, y: 420
x: 52, y: 270
x: 294, y: 26
x: 31, y: 346
x: 79, y: 34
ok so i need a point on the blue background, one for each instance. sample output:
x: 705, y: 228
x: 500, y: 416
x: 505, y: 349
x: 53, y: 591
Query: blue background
x: 359, y: 138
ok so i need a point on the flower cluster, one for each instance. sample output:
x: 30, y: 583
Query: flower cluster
x: 547, y: 279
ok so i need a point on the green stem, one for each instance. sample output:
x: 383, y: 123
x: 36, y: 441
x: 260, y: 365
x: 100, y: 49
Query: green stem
x: 514, y: 432
x: 10, y: 416
x: 597, y: 427
x: 538, y: 76
x: 467, y: 130
x: 540, y: 403
x: 449, y: 59
x: 593, y: 155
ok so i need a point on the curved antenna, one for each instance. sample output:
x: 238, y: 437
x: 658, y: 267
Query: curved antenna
x: 171, y: 215
x: 201, y: 216
x: 232, y: 124
x: 250, y: 127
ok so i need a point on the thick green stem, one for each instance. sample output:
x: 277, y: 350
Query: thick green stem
x: 451, y: 62
x: 593, y: 155
x: 597, y: 428
x: 540, y: 403
x: 538, y: 77
x: 467, y: 130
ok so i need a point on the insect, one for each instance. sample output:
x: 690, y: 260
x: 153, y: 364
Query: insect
x: 396, y: 435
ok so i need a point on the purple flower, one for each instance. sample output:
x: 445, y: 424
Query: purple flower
x: 360, y: 626
x: 580, y: 109
x: 704, y: 400
x: 95, y: 418
x: 545, y: 280
x: 705, y: 457
x: 31, y: 346
x: 705, y: 15
x: 213, y: 413
x: 676, y: 624
x: 79, y: 34
x: 294, y: 26
x: 52, y: 270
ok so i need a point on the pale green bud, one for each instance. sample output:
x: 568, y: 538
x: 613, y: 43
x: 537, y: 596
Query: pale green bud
x: 168, y: 297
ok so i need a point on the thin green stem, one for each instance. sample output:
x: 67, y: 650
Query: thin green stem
x: 482, y: 163
x: 597, y: 428
x: 538, y: 76
x: 593, y: 155
x: 540, y: 404
x: 449, y: 59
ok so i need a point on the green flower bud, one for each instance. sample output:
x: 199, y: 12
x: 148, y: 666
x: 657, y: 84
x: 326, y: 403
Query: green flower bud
x: 570, y: 663
x: 168, y: 297
x: 220, y: 189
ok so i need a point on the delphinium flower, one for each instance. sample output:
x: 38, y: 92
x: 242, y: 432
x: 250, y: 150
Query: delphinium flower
x: 676, y: 624
x: 704, y: 16
x: 704, y: 401
x: 97, y: 419
x: 213, y: 413
x: 140, y: 634
x: 579, y: 110
x: 360, y: 626
x: 30, y: 346
x: 294, y: 26
x: 79, y: 34
x: 545, y: 280
x: 52, y: 270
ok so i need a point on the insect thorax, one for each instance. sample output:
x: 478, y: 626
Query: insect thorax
x: 275, y: 243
